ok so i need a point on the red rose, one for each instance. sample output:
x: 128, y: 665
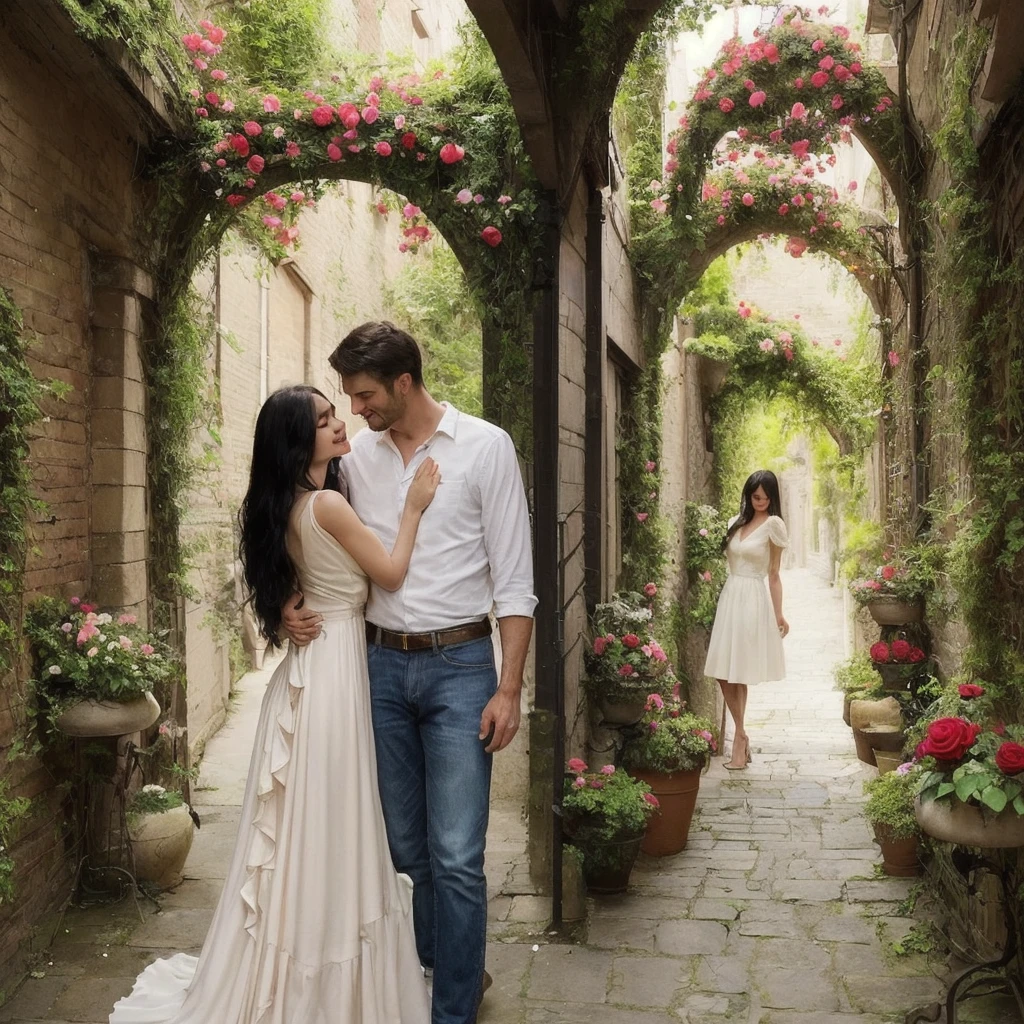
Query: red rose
x: 916, y: 655
x: 949, y: 739
x: 900, y: 650
x: 880, y: 652
x: 970, y: 690
x: 888, y: 572
x: 1010, y: 758
x: 631, y: 640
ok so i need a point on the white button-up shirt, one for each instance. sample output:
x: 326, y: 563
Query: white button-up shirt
x: 472, y: 551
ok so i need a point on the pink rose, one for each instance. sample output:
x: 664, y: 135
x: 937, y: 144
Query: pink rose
x: 600, y: 645
x: 146, y: 649
x: 576, y: 765
x: 382, y: 148
x: 451, y: 154
x: 650, y: 589
x: 608, y: 769
x: 491, y: 235
x: 626, y: 671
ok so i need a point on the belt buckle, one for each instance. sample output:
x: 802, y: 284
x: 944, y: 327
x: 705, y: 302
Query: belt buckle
x: 405, y: 641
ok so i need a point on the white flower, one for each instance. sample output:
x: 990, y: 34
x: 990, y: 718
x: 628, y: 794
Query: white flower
x: 113, y: 645
x: 104, y: 619
x: 103, y: 638
x: 153, y: 788
x: 54, y: 670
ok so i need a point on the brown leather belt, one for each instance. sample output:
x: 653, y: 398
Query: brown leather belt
x: 427, y: 641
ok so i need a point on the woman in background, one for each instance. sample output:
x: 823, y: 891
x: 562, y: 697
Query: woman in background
x: 746, y: 640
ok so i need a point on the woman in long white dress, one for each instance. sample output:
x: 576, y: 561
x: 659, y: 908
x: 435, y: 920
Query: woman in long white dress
x: 313, y: 925
x: 746, y: 639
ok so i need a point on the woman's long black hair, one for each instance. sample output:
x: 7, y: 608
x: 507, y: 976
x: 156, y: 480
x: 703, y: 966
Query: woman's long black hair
x: 759, y: 478
x: 282, y: 449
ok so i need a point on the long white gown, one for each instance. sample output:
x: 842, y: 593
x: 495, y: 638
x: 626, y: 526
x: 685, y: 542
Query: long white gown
x: 745, y: 645
x: 313, y: 926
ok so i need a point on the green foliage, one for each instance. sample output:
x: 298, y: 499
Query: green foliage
x: 909, y: 575
x: 857, y: 675
x: 920, y: 939
x: 152, y: 799
x: 20, y: 395
x: 704, y: 530
x: 13, y: 810
x: 604, y: 804
x: 283, y: 43
x: 176, y: 369
x: 430, y: 299
x: 891, y: 803
x: 668, y: 738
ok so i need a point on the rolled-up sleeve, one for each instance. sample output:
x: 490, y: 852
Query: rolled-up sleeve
x: 506, y: 526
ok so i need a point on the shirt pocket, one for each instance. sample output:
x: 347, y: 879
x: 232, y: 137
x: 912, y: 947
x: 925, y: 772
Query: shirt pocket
x: 451, y: 493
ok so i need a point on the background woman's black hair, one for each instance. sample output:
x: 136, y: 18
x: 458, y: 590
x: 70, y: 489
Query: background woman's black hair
x: 759, y: 478
x: 282, y: 449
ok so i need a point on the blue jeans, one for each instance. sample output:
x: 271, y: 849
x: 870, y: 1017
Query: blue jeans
x: 435, y: 781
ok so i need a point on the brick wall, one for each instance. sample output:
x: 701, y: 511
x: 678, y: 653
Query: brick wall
x: 70, y: 201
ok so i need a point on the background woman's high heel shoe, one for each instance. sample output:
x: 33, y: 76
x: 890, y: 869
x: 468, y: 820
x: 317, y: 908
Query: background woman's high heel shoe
x: 739, y: 767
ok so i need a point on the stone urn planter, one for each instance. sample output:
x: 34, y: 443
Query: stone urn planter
x: 899, y: 856
x: 876, y: 725
x: 160, y: 843
x: 607, y: 863
x: 668, y: 831
x: 889, y: 611
x: 953, y: 821
x: 626, y: 709
x: 107, y: 717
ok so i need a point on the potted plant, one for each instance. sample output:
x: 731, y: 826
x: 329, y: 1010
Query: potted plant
x: 96, y: 672
x: 971, y: 784
x: 624, y: 662
x: 897, y: 662
x: 894, y: 593
x: 605, y: 816
x: 858, y: 681
x: 890, y: 809
x: 668, y: 750
x: 160, y: 828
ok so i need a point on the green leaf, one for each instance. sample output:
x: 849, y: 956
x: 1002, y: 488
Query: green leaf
x: 994, y: 797
x: 1018, y: 805
x: 968, y: 785
x: 944, y: 788
x: 1012, y: 790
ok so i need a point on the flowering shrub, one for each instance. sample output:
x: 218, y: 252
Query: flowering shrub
x: 623, y: 663
x: 890, y: 804
x: 704, y: 529
x: 84, y: 653
x: 604, y: 804
x: 857, y: 677
x: 978, y: 765
x: 899, y: 652
x: 153, y: 799
x: 909, y: 578
x: 669, y: 738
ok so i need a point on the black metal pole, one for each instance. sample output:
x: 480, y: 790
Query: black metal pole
x: 549, y: 684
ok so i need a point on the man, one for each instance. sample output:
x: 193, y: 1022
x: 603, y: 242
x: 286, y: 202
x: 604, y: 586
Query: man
x: 439, y: 710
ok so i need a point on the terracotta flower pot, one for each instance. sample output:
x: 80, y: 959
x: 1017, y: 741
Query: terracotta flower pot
x: 889, y: 611
x: 108, y: 718
x: 876, y: 714
x: 953, y: 821
x: 887, y: 761
x: 870, y: 740
x: 160, y: 845
x: 899, y: 856
x: 668, y: 831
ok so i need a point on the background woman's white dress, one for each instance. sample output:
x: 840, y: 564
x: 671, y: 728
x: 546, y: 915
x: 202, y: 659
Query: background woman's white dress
x: 745, y: 645
x: 313, y: 925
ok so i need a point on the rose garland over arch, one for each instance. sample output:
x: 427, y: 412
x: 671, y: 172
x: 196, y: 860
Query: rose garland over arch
x: 448, y: 143
x: 749, y: 150
x: 766, y: 357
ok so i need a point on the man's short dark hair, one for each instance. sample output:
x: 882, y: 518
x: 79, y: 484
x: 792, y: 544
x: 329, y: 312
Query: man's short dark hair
x: 380, y: 349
